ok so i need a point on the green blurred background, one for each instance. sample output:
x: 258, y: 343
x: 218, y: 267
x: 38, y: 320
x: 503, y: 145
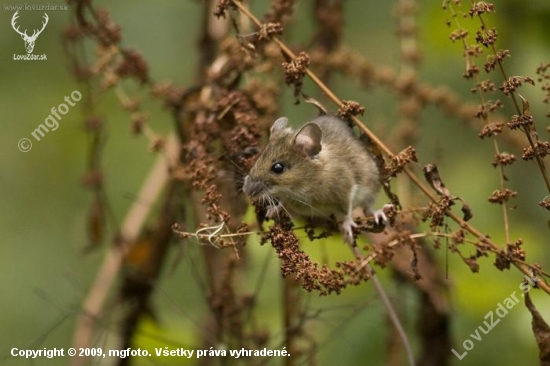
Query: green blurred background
x: 45, y: 273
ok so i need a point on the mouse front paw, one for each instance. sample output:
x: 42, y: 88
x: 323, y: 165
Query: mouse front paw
x: 347, y: 228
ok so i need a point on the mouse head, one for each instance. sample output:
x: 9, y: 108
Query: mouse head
x: 288, y: 162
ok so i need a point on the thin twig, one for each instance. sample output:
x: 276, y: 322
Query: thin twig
x: 392, y: 314
x: 526, y: 130
x: 487, y: 121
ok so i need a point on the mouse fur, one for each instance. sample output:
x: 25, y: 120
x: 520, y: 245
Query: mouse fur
x: 315, y: 171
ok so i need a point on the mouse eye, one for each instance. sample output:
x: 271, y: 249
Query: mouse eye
x: 277, y: 168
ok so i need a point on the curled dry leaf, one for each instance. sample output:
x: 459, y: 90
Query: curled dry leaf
x: 541, y: 331
x: 432, y: 176
x: 466, y: 211
x: 315, y: 102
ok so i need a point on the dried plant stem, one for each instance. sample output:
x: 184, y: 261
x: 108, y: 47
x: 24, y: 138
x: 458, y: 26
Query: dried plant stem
x: 502, y: 186
x: 396, y: 242
x: 125, y: 100
x: 291, y: 312
x: 424, y: 188
x: 526, y: 130
x: 486, y: 120
x: 408, y: 64
x: 392, y: 314
x: 129, y: 232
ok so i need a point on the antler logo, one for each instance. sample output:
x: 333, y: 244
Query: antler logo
x: 29, y: 41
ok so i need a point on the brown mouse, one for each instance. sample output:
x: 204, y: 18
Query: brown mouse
x: 318, y: 170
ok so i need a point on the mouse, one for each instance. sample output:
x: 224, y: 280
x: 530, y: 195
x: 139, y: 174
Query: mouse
x: 317, y: 170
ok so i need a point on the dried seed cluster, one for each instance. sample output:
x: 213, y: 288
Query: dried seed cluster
x: 349, y: 108
x: 310, y: 275
x: 295, y: 70
x: 400, y: 161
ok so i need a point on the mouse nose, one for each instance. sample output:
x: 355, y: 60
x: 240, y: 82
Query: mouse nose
x: 252, y: 187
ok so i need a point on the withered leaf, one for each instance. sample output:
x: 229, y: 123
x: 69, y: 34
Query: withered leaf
x: 541, y: 331
x: 432, y: 176
x: 466, y: 211
x: 316, y: 103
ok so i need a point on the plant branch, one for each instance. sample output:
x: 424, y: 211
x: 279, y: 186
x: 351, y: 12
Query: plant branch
x: 412, y: 176
x: 540, y: 161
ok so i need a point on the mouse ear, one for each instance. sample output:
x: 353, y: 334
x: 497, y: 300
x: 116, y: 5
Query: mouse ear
x: 308, y: 139
x: 279, y: 124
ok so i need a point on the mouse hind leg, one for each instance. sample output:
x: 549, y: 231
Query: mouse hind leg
x: 379, y: 215
x: 364, y: 197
